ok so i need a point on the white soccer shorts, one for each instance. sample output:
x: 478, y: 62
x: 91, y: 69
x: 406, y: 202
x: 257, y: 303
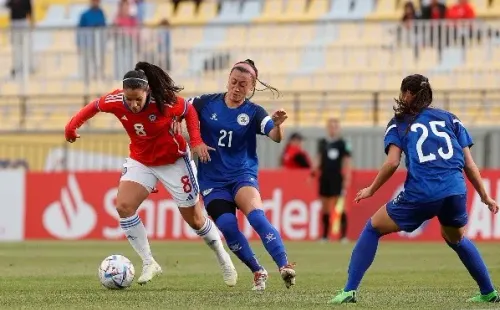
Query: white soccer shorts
x: 179, y: 179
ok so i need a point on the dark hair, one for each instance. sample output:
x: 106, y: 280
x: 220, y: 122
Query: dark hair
x: 163, y: 88
x: 250, y: 62
x: 418, y: 85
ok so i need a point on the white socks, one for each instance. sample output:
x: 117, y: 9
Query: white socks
x: 210, y: 234
x: 137, y: 236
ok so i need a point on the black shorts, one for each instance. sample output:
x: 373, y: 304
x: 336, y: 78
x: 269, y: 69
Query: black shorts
x: 330, y: 187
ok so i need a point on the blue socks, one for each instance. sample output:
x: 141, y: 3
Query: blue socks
x: 236, y: 241
x: 270, y: 237
x: 362, y: 256
x: 470, y: 257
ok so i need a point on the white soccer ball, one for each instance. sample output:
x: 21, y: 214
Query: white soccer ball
x: 116, y: 272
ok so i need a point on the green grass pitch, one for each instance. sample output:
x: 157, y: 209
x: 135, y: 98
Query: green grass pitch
x: 63, y: 275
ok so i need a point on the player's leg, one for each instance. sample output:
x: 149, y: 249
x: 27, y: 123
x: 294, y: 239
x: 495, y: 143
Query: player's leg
x: 223, y: 212
x: 180, y: 181
x: 136, y: 183
x: 453, y: 218
x: 326, y: 198
x: 248, y: 200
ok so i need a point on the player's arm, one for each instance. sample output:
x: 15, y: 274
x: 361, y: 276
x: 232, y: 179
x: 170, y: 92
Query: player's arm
x: 347, y: 167
x: 271, y: 127
x: 317, y: 163
x: 390, y: 166
x: 472, y: 172
x: 86, y: 113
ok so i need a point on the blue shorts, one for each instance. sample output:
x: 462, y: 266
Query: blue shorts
x: 450, y: 211
x: 228, y: 191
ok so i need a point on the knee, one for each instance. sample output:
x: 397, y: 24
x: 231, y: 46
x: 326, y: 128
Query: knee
x: 227, y: 224
x: 125, y: 208
x: 452, y: 235
x: 372, y: 229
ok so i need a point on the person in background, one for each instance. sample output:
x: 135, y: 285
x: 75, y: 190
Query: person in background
x: 334, y: 170
x: 461, y: 10
x: 21, y: 19
x: 125, y: 38
x: 435, y: 10
x: 91, y: 43
x: 294, y: 156
x: 408, y: 33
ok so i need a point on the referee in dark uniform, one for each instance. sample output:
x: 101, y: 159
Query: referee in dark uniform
x: 334, y: 170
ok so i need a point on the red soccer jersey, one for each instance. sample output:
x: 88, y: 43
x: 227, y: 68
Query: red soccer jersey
x: 152, y: 142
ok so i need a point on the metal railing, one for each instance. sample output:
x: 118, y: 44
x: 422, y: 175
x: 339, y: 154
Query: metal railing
x: 328, y: 55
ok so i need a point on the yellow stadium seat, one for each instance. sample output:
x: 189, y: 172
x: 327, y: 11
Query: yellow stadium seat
x: 295, y: 10
x: 163, y: 10
x: 185, y: 13
x: 385, y: 10
x: 271, y: 11
x: 493, y: 11
x: 207, y: 11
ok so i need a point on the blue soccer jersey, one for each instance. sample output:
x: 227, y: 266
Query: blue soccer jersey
x: 233, y: 133
x: 433, y: 145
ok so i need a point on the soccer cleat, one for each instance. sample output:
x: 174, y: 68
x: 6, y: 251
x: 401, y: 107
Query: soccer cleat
x: 288, y: 275
x: 491, y: 297
x: 228, y: 271
x: 344, y: 298
x: 259, y: 280
x: 149, y: 271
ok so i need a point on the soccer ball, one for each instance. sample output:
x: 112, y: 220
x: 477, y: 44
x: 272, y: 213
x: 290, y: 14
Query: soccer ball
x: 116, y: 272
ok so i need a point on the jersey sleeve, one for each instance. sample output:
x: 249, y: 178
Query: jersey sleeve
x: 263, y: 121
x: 179, y: 109
x: 107, y: 102
x: 392, y: 136
x: 463, y: 137
x: 198, y: 102
x: 347, y: 149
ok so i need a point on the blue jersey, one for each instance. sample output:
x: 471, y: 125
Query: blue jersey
x: 233, y: 133
x: 433, y: 145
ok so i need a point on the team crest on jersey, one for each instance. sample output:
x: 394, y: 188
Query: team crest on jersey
x: 152, y: 118
x: 243, y: 119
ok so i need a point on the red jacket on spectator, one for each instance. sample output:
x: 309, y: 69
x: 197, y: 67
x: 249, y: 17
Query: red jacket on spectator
x: 294, y: 157
x: 462, y: 10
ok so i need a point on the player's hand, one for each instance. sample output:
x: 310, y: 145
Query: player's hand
x: 177, y: 127
x: 363, y: 194
x: 279, y: 117
x: 491, y: 203
x: 201, y: 151
x: 71, y: 135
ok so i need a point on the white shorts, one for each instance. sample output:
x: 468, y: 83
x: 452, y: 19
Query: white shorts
x: 179, y: 179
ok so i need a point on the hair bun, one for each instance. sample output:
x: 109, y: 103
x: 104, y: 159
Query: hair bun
x: 249, y: 61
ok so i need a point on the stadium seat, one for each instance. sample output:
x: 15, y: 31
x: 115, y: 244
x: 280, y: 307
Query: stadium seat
x: 251, y: 9
x: 384, y: 10
x: 163, y: 10
x: 295, y: 10
x: 271, y: 11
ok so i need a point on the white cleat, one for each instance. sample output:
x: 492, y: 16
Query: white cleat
x: 259, y: 280
x: 149, y: 271
x: 288, y: 275
x: 228, y: 271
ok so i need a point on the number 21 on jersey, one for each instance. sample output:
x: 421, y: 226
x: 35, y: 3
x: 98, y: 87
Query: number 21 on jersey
x: 226, y: 138
x: 425, y: 134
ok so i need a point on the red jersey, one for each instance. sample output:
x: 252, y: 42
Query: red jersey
x: 461, y: 11
x: 152, y: 142
x: 295, y: 158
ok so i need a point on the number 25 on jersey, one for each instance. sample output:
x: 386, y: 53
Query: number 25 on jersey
x: 425, y: 134
x: 226, y: 138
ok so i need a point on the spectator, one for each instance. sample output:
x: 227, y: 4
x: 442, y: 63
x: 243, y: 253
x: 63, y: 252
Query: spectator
x: 21, y: 19
x: 141, y: 10
x: 164, y: 44
x: 461, y: 10
x: 408, y: 34
x: 409, y: 14
x: 294, y: 156
x: 91, y: 40
x: 125, y: 38
x: 434, y: 11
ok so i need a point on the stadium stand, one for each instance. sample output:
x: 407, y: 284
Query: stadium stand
x: 309, y: 47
